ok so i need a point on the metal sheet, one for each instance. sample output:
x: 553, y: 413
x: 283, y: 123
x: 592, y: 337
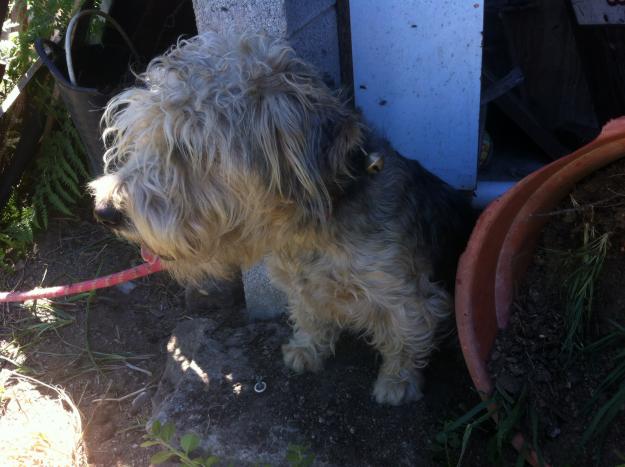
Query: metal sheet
x: 417, y: 70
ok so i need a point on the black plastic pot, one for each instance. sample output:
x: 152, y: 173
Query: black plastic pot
x: 87, y: 76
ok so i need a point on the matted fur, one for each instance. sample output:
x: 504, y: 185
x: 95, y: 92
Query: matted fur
x: 232, y: 149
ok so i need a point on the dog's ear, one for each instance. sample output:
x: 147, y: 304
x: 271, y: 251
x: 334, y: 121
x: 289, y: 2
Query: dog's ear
x: 305, y: 134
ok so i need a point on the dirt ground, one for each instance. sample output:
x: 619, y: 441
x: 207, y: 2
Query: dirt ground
x: 108, y: 354
x: 110, y: 348
x: 528, y: 356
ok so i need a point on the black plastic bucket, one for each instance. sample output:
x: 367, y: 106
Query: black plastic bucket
x: 87, y: 76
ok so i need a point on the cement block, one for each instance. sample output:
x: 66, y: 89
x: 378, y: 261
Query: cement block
x: 310, y: 26
x: 262, y: 299
x: 256, y: 15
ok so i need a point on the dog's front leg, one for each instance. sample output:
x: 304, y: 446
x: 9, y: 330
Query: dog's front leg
x: 399, y: 381
x: 312, y: 341
x: 405, y: 337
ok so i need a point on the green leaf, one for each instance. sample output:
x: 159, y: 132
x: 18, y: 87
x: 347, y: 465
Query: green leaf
x: 74, y: 159
x: 55, y: 201
x: 298, y: 456
x: 467, y: 417
x: 167, y: 431
x: 160, y: 457
x: 189, y: 442
x: 68, y: 170
x: 62, y: 192
x: 465, y: 442
x: 147, y: 444
x: 210, y: 461
x: 156, y: 428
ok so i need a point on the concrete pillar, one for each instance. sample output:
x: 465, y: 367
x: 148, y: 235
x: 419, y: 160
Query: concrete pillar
x: 309, y: 25
x: 311, y: 28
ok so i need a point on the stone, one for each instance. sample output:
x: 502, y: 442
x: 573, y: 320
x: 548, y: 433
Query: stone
x: 207, y: 388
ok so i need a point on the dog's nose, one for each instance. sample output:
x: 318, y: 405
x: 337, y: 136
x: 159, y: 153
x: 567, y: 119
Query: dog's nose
x: 108, y: 215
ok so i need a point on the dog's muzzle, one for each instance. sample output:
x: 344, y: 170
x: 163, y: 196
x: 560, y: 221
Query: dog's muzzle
x: 108, y: 215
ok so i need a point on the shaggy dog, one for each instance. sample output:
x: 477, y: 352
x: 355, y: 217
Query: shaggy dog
x: 231, y: 149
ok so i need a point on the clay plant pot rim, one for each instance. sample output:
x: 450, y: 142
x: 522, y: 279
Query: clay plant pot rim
x: 502, y: 245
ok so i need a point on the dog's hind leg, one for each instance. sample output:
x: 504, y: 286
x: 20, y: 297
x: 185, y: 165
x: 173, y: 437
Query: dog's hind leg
x: 405, y: 336
x: 312, y: 341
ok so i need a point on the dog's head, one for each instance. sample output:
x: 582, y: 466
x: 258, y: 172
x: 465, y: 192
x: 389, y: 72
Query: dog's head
x: 226, y: 141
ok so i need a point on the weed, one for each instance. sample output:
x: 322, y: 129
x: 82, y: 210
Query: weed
x: 299, y: 456
x: 16, y: 229
x: 510, y: 412
x: 612, y: 386
x: 585, y: 265
x: 449, y: 439
x: 162, y: 435
x: 46, y: 316
x: 50, y: 316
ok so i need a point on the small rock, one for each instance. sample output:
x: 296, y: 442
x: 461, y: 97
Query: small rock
x: 138, y: 402
x: 554, y: 432
x: 126, y: 287
x: 574, y: 377
x: 542, y: 375
x: 517, y: 370
x: 509, y: 383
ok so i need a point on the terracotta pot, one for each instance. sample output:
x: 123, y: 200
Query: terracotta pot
x: 503, y: 243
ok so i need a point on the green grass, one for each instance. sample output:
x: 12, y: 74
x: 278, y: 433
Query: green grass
x: 585, y: 265
x: 455, y: 437
x: 45, y: 319
x: 611, y: 388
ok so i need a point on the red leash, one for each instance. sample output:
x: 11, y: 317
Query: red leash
x: 152, y: 265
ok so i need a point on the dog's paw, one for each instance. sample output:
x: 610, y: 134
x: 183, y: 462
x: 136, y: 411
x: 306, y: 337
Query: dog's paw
x: 397, y: 390
x: 301, y: 358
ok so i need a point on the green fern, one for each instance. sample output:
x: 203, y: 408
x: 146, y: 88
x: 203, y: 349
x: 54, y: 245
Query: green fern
x: 16, y: 229
x: 54, y: 183
x: 62, y: 170
x: 44, y: 18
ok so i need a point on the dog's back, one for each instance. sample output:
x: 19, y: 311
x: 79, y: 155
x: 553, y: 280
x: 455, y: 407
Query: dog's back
x: 405, y: 199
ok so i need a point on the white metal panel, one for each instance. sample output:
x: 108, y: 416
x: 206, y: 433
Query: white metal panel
x: 417, y: 66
